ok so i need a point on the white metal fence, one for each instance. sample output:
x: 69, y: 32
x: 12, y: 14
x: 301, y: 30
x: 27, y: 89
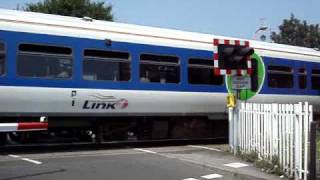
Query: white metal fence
x: 276, y: 130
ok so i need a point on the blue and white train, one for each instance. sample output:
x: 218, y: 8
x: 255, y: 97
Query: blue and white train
x: 60, y: 66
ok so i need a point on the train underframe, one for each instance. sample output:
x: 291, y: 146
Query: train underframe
x: 107, y: 129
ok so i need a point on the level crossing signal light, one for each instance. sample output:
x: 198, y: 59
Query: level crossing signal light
x: 232, y: 57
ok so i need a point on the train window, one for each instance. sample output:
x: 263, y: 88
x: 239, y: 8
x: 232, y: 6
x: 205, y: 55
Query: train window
x: 302, y: 75
x: 44, y: 61
x: 106, y: 65
x: 315, y: 79
x: 280, y: 77
x: 2, y: 58
x: 200, y: 71
x: 159, y: 68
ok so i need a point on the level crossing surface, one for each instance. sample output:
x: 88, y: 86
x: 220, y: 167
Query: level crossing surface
x: 177, y: 163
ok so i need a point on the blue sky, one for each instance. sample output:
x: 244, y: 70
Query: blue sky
x: 237, y: 18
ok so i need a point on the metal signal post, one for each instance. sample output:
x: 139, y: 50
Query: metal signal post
x: 233, y: 58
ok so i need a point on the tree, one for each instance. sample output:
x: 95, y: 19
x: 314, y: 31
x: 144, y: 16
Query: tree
x: 296, y: 32
x: 76, y: 8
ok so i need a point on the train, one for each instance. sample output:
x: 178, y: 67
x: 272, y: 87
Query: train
x: 82, y: 72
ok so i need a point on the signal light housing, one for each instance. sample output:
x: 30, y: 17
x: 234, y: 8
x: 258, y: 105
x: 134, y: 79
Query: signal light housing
x: 232, y: 57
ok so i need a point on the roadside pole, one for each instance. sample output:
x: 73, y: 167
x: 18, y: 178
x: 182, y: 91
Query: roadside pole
x: 238, y: 83
x: 230, y: 113
x: 235, y: 122
x: 231, y: 104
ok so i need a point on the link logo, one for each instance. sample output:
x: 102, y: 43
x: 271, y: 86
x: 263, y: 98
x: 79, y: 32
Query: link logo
x: 102, y: 102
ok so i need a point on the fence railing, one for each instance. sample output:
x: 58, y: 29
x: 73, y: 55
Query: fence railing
x: 276, y: 131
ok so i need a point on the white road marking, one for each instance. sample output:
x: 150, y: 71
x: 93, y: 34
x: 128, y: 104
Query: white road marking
x: 14, y: 156
x: 204, y: 147
x: 190, y: 179
x: 145, y: 150
x: 25, y: 159
x: 236, y: 165
x: 31, y: 160
x: 212, y: 176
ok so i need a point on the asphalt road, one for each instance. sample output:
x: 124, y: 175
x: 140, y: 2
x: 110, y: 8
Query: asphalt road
x: 122, y: 164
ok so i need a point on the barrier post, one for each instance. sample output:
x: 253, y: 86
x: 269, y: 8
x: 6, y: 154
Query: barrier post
x: 313, y: 150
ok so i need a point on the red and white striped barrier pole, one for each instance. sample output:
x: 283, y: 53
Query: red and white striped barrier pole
x: 23, y: 126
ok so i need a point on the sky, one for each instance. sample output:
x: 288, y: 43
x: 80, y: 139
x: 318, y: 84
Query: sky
x: 236, y: 18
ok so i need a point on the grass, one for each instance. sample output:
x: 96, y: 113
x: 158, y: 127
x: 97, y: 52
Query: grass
x: 272, y: 167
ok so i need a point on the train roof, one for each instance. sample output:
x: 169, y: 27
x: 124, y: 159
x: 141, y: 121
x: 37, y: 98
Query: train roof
x: 32, y: 22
